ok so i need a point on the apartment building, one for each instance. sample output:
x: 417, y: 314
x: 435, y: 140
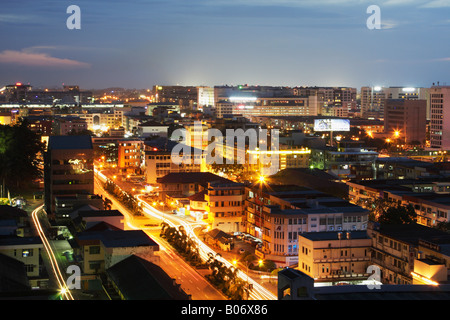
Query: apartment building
x: 334, y: 256
x: 130, y: 154
x: 225, y: 206
x: 278, y: 214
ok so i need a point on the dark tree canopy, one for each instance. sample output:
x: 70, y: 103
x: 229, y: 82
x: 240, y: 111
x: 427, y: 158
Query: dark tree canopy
x: 21, y: 153
x: 398, y: 215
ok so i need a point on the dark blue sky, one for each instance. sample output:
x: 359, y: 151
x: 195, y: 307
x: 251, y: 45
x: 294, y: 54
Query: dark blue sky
x: 138, y: 44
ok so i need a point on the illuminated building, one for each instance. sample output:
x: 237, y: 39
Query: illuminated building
x: 130, y: 155
x: 68, y: 171
x: 152, y: 129
x: 42, y: 125
x: 205, y: 97
x: 159, y: 162
x: 349, y: 160
x: 288, y: 157
x: 270, y: 107
x: 16, y: 92
x: 428, y: 196
x: 225, y: 206
x: 396, y: 249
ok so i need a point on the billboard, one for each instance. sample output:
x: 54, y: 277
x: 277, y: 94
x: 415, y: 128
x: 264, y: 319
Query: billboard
x: 331, y: 125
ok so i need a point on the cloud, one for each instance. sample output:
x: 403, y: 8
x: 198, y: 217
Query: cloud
x: 437, y: 4
x: 27, y: 57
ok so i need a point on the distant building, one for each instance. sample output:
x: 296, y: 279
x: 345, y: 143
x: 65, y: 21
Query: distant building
x: 348, y: 160
x: 373, y: 99
x: 67, y: 125
x: 440, y: 117
x: 152, y: 129
x: 405, y: 120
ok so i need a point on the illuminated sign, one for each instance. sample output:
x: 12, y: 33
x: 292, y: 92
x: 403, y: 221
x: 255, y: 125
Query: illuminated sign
x: 331, y: 125
x: 242, y: 99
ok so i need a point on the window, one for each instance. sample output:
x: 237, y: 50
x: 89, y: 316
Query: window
x: 94, y: 249
x: 27, y: 253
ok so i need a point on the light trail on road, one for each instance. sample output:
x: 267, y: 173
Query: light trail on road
x: 59, y: 277
x: 259, y: 292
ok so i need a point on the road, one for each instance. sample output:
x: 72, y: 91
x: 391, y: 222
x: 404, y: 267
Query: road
x: 258, y: 293
x: 191, y: 281
x: 65, y: 291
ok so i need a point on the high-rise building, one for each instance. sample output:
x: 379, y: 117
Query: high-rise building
x: 440, y: 117
x: 405, y: 120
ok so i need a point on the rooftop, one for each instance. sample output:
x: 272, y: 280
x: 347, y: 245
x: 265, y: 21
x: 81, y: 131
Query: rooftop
x: 333, y: 235
x: 147, y: 281
x: 69, y: 142
x: 201, y: 178
x: 118, y: 238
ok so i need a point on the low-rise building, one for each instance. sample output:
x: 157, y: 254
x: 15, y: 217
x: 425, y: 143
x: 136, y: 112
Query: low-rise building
x: 397, y: 248
x: 334, y: 256
x: 26, y: 250
x: 225, y: 206
x: 100, y: 250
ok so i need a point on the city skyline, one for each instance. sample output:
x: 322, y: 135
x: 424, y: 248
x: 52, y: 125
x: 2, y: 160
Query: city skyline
x: 285, y: 43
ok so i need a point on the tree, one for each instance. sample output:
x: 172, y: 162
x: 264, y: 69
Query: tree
x: 21, y: 156
x: 398, y: 215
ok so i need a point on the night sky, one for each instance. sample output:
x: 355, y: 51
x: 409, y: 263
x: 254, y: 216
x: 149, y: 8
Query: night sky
x: 138, y: 44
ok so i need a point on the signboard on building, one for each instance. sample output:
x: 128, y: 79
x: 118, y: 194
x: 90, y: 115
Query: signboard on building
x: 331, y: 125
